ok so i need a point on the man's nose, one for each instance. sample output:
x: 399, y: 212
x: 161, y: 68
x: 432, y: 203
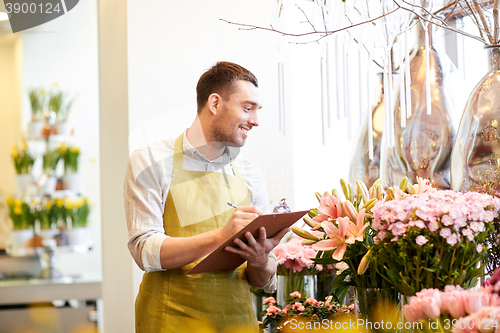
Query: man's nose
x: 254, y: 120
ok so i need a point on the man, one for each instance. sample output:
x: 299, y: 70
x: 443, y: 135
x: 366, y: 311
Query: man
x: 176, y: 194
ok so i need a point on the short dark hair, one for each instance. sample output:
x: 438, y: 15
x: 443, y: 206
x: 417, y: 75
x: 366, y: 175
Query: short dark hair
x: 220, y: 79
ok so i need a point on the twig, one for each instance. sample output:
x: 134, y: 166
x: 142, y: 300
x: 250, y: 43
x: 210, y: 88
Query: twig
x: 325, y: 33
x: 307, y: 18
x: 485, y: 25
x: 495, y: 21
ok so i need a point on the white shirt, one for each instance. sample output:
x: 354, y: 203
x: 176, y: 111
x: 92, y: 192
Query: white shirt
x: 147, y: 183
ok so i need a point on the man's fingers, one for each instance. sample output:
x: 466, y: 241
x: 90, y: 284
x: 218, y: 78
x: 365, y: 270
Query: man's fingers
x: 262, y: 235
x: 250, y: 209
x: 251, y: 239
x: 276, y: 239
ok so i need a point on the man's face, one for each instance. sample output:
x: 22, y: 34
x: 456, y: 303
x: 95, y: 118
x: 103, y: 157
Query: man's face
x: 237, y: 115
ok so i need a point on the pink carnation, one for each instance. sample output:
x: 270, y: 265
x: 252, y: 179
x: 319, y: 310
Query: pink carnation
x: 296, y: 294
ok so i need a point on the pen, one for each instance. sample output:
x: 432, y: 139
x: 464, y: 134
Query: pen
x: 232, y: 205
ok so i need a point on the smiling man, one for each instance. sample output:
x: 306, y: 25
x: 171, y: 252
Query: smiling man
x: 176, y: 193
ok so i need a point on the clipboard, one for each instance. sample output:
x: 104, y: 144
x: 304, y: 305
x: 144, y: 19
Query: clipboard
x: 222, y: 260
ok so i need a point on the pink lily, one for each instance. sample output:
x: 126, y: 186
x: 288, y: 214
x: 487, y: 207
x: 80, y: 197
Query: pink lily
x: 357, y: 230
x: 339, y: 238
x: 330, y: 205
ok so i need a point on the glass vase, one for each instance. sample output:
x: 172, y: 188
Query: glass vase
x: 376, y: 309
x: 424, y: 146
x: 287, y: 284
x: 477, y: 149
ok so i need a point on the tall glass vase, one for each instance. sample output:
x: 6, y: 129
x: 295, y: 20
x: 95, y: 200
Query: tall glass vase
x: 477, y: 148
x: 287, y: 284
x: 376, y: 309
x: 423, y: 147
x: 362, y: 167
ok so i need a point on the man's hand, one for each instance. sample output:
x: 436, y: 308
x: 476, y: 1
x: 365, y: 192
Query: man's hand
x: 242, y: 216
x: 260, y: 268
x: 256, y: 252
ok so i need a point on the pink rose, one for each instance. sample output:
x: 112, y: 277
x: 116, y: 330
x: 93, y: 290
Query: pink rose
x: 312, y: 301
x: 295, y: 294
x: 272, y: 310
x: 298, y: 306
x: 270, y: 300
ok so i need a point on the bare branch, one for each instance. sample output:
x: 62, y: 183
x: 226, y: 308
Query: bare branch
x: 307, y: 18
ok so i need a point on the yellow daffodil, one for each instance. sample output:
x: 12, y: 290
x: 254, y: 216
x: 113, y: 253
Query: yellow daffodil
x: 85, y: 201
x: 78, y: 203
x: 74, y: 149
x: 15, y: 154
x: 60, y: 202
x: 18, y: 210
x: 69, y: 204
x: 48, y: 205
x: 41, y: 92
x: 62, y: 149
x: 14, y: 148
x: 25, y: 145
x: 9, y: 200
x: 18, y: 202
x: 55, y: 84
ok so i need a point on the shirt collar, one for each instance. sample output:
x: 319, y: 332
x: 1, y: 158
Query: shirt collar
x: 188, y: 149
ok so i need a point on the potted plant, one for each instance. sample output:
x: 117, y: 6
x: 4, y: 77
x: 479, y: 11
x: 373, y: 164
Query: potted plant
x: 61, y: 105
x: 23, y: 163
x: 78, y: 212
x: 37, y: 102
x: 50, y: 160
x: 48, y: 215
x: 23, y: 220
x: 70, y: 156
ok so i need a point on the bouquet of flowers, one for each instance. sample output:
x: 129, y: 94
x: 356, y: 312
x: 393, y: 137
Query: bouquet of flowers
x: 294, y: 263
x: 301, y: 312
x: 346, y: 237
x: 489, y: 184
x: 21, y: 214
x: 456, y: 309
x: 433, y: 238
x: 23, y: 159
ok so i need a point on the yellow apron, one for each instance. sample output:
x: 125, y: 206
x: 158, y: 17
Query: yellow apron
x: 174, y: 302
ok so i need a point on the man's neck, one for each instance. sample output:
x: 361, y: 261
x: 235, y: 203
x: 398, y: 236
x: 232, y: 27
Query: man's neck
x: 201, y: 141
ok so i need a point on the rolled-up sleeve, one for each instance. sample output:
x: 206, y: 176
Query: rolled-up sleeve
x: 144, y: 210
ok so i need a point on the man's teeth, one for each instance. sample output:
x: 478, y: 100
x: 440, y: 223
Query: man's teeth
x: 244, y: 130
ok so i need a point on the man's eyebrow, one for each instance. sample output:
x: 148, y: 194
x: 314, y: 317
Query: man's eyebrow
x: 254, y: 103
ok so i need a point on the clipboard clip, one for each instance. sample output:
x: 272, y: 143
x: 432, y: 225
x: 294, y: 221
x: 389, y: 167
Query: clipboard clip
x: 282, y: 207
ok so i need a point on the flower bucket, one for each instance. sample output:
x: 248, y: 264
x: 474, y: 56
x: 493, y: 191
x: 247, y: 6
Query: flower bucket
x: 374, y: 306
x: 35, y: 129
x: 23, y: 182
x: 287, y: 284
x: 63, y: 128
x: 81, y: 237
x: 73, y: 182
x: 18, y: 241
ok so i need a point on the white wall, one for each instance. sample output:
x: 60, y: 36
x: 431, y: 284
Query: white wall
x: 65, y: 51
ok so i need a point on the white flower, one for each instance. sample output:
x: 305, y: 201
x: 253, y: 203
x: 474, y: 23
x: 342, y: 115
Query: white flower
x: 341, y: 266
x: 479, y: 248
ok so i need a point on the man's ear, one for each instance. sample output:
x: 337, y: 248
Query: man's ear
x: 213, y: 103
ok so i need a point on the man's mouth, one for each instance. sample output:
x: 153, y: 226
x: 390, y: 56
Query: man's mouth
x: 244, y: 130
